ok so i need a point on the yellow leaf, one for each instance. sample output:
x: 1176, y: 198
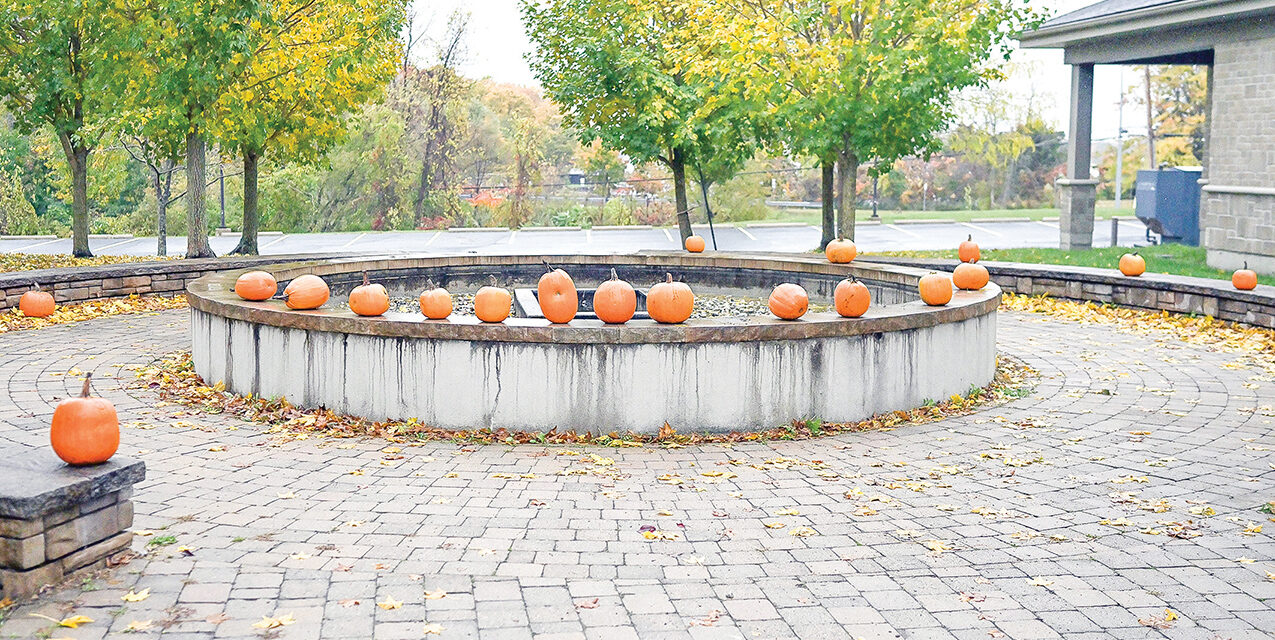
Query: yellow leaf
x: 433, y: 629
x: 274, y: 623
x: 138, y: 596
x: 803, y: 532
x: 74, y: 621
x: 435, y: 595
x: 139, y: 625
x: 774, y: 525
x: 1040, y: 582
x: 390, y: 603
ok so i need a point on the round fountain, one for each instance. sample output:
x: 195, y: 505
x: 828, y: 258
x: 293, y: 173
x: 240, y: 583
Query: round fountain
x: 724, y: 373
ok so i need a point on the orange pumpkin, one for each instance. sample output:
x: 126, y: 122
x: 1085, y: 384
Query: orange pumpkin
x: 670, y: 302
x: 788, y: 301
x: 369, y: 299
x: 85, y: 430
x: 695, y: 244
x: 36, y: 303
x: 1244, y: 279
x: 1132, y: 264
x: 841, y: 251
x: 936, y: 289
x: 306, y: 292
x: 436, y: 302
x: 256, y: 285
x: 968, y: 250
x: 851, y: 298
x: 493, y: 303
x: 614, y: 301
x: 556, y: 293
x: 970, y: 276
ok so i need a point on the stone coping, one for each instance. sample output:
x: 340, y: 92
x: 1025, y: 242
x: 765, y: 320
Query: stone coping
x: 34, y: 481
x: 1264, y: 294
x: 214, y: 294
x: 58, y: 275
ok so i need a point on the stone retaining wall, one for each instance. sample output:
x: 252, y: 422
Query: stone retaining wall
x: 1157, y: 292
x: 77, y: 284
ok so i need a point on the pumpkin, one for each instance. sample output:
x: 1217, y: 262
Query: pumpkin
x: 614, y: 301
x: 556, y: 293
x: 306, y: 292
x: 36, y: 303
x: 1132, y: 264
x: 369, y: 299
x: 1245, y: 279
x: 970, y: 276
x: 493, y: 303
x: 851, y: 298
x: 936, y: 289
x: 85, y: 430
x: 695, y: 244
x: 670, y: 302
x: 436, y: 302
x: 968, y: 250
x: 841, y: 251
x: 256, y: 285
x: 788, y: 301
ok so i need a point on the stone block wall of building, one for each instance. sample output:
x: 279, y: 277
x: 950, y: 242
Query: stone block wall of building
x: 1237, y: 214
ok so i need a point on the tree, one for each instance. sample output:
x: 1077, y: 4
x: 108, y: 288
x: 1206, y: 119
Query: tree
x: 1177, y: 113
x: 850, y: 81
x: 160, y: 159
x: 601, y: 166
x: 435, y: 117
x: 54, y: 73
x: 618, y: 70
x: 316, y: 62
x: 186, y: 55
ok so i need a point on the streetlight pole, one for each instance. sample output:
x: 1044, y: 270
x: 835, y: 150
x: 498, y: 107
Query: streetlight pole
x: 1120, y: 143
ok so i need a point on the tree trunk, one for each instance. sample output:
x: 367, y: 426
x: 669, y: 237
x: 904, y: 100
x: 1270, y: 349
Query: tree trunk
x: 251, y: 213
x: 196, y: 207
x: 163, y: 192
x: 826, y: 198
x: 678, y: 166
x: 77, y: 157
x: 848, y: 181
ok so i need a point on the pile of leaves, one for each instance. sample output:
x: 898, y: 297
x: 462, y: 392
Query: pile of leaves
x: 1199, y: 330
x: 173, y: 377
x: 13, y: 320
x: 32, y: 261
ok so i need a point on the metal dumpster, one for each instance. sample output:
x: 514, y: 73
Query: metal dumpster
x: 1168, y: 202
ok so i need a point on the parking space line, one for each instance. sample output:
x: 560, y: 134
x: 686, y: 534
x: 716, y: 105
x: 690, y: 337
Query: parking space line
x: 588, y: 236
x: 982, y: 229
x: 1051, y: 225
x: 38, y: 244
x: 433, y: 238
x: 902, y: 230
x: 668, y: 235
x: 116, y: 244
x: 356, y: 239
x: 512, y: 234
x: 745, y: 232
x: 273, y: 242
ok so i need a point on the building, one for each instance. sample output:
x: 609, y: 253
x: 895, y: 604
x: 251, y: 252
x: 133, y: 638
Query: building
x: 1236, y: 39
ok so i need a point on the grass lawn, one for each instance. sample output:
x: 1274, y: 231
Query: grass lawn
x: 1104, y: 210
x: 1168, y: 258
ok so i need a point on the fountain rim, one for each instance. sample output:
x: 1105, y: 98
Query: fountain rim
x: 214, y: 294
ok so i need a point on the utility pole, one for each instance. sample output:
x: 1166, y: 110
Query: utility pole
x: 1120, y: 143
x: 1150, y: 120
x: 221, y: 180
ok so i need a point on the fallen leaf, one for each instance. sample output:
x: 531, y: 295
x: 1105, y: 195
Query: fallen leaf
x: 435, y: 595
x: 138, y: 625
x: 138, y: 596
x: 587, y: 604
x: 217, y: 618
x: 348, y: 602
x: 709, y: 620
x: 803, y: 532
x: 433, y: 629
x: 390, y: 603
x: 274, y: 623
x: 1040, y: 582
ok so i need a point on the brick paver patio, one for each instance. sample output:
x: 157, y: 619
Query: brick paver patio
x: 983, y: 526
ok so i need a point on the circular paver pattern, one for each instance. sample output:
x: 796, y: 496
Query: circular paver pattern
x: 986, y: 525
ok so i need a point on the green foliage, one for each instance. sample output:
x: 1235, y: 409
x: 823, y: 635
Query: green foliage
x: 17, y: 216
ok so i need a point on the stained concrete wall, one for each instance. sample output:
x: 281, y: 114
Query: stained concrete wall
x: 707, y: 386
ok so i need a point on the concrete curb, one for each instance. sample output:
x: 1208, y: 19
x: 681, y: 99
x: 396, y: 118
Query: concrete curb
x: 475, y: 229
x: 775, y: 225
x: 572, y: 228
x: 620, y: 227
x: 48, y: 237
x: 925, y: 221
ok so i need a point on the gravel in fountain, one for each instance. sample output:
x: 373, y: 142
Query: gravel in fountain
x: 705, y: 306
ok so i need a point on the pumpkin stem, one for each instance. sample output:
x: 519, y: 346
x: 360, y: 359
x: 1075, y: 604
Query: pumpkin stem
x: 365, y: 280
x: 1246, y: 265
x: 493, y: 280
x: 548, y: 267
x: 614, y: 275
x: 669, y: 277
x: 969, y: 238
x: 88, y: 377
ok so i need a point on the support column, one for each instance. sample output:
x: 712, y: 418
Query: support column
x: 1077, y: 193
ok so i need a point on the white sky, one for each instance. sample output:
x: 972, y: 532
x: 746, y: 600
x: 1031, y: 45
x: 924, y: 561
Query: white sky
x: 497, y: 45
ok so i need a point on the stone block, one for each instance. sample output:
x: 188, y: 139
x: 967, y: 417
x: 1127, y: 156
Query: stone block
x: 22, y: 553
x: 96, y: 552
x: 18, y: 583
x: 20, y: 527
x: 99, y: 503
x: 81, y: 532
